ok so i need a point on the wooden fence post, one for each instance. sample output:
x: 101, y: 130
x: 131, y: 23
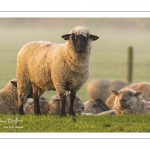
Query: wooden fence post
x: 129, y: 64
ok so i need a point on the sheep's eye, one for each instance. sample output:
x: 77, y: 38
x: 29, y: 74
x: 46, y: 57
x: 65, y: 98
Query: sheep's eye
x: 73, y: 36
x: 131, y: 94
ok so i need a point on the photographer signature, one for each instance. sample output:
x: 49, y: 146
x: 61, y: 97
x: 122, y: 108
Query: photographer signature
x: 10, y: 120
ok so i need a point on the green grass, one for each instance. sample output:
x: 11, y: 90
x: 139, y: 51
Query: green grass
x: 107, y: 123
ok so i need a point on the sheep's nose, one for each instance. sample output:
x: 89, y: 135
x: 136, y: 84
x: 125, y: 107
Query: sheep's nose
x: 80, y: 47
x: 122, y: 101
x: 82, y: 108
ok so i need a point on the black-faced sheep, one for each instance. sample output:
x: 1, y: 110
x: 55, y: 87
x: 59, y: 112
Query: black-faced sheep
x: 100, y: 88
x: 144, y: 87
x: 130, y: 101
x: 65, y: 68
x: 94, y: 106
x: 54, y: 105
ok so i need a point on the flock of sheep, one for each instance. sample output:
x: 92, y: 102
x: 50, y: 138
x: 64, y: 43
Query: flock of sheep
x: 44, y: 66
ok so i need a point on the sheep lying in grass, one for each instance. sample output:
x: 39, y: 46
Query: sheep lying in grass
x: 130, y: 101
x: 100, y: 88
x: 48, y: 66
x: 144, y: 87
x: 29, y: 106
x: 8, y: 98
x: 94, y: 106
x: 54, y: 105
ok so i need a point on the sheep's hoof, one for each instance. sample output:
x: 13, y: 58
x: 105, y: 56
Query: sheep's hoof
x: 37, y: 113
x: 71, y: 113
x: 20, y: 110
x: 63, y: 115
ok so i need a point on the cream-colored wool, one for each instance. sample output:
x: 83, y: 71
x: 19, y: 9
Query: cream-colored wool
x: 132, y: 102
x: 49, y: 66
x: 8, y: 98
x: 144, y: 87
x: 100, y: 88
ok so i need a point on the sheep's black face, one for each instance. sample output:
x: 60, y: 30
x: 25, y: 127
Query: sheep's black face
x: 79, y: 42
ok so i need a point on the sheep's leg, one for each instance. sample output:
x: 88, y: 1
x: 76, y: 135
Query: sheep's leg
x: 62, y: 104
x: 72, y: 98
x: 36, y: 104
x: 20, y: 105
x: 20, y: 101
x: 37, y: 92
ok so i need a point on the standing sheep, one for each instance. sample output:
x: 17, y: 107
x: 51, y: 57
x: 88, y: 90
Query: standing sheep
x: 144, y: 87
x: 100, y: 88
x: 130, y: 101
x: 65, y: 68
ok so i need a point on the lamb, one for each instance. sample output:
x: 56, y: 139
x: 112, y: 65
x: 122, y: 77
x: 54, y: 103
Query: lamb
x: 144, y: 87
x: 94, y: 106
x: 8, y: 98
x: 65, y: 68
x: 100, y: 88
x: 130, y: 101
x: 54, y: 105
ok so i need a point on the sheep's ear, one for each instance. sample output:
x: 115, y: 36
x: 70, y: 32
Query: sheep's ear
x: 14, y: 83
x: 94, y: 104
x: 138, y: 93
x: 93, y: 37
x: 66, y: 36
x: 113, y: 91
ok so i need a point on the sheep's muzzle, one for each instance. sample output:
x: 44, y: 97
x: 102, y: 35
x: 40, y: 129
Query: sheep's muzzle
x: 79, y: 43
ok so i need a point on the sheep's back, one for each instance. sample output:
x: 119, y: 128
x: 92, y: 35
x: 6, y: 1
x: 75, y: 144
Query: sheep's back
x: 34, y: 62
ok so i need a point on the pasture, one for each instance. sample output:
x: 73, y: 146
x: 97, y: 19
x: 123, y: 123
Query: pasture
x: 108, y: 60
x: 83, y: 124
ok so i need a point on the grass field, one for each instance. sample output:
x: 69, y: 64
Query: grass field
x: 83, y: 124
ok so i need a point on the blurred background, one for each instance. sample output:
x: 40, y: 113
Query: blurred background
x: 109, y: 52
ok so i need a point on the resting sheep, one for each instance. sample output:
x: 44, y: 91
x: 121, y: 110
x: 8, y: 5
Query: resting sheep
x: 54, y: 105
x: 8, y: 98
x: 29, y: 106
x: 130, y: 101
x: 94, y: 106
x: 100, y: 88
x: 144, y: 87
x: 48, y: 66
